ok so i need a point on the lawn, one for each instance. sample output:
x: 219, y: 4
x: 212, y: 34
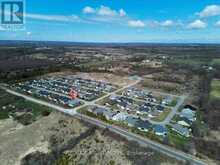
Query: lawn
x: 177, y: 140
x: 216, y: 62
x: 190, y: 62
x: 215, y: 89
x: 162, y: 116
x: 9, y: 101
x: 174, y: 102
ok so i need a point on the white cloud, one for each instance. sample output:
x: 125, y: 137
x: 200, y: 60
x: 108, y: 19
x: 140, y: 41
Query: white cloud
x: 211, y: 10
x: 197, y: 24
x: 122, y: 13
x: 218, y: 23
x: 167, y: 23
x: 88, y: 10
x: 106, y: 11
x: 60, y: 18
x: 136, y: 23
x: 28, y: 33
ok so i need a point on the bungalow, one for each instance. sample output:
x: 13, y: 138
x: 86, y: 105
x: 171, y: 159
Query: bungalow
x: 184, y: 122
x: 188, y: 113
x: 108, y: 114
x: 160, y: 130
x: 143, y: 125
x: 131, y: 121
x: 143, y: 110
x: 74, y: 103
x: 160, y: 108
x: 122, y: 105
x: 98, y: 111
x: 120, y: 116
x: 167, y: 100
x: 181, y: 130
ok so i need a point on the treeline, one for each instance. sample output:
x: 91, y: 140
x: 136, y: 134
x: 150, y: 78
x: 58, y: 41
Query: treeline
x: 29, y: 73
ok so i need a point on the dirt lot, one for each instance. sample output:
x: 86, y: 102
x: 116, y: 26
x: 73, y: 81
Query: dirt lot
x: 111, y: 78
x: 106, y: 77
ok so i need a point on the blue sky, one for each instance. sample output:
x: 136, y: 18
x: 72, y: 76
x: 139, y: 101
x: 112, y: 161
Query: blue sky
x: 120, y: 21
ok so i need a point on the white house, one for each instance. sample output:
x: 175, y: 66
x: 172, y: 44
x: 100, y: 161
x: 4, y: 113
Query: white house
x: 120, y: 116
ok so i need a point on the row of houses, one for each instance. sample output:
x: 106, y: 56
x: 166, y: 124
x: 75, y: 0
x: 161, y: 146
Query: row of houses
x: 129, y: 105
x: 184, y: 121
x: 142, y: 125
x: 146, y: 96
x: 55, y: 98
x: 64, y: 88
x: 139, y: 94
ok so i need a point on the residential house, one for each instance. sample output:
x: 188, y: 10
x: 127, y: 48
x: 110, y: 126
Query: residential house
x: 143, y: 110
x: 131, y: 121
x: 120, y: 116
x: 184, y: 122
x: 160, y: 108
x: 108, y: 114
x: 74, y: 103
x: 189, y: 114
x: 98, y: 111
x: 160, y: 130
x: 181, y: 130
x: 143, y: 125
x: 167, y: 100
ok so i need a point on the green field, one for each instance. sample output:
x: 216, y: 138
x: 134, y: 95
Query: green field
x: 216, y: 62
x: 215, y: 89
x: 190, y: 62
x: 10, y: 103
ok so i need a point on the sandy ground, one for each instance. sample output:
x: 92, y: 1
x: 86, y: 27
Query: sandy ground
x: 17, y: 141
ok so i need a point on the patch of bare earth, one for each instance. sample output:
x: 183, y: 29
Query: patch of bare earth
x: 107, y: 77
x: 16, y: 143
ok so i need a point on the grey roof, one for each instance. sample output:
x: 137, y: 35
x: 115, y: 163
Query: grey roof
x: 143, y: 124
x: 187, y: 114
x: 99, y: 110
x: 131, y: 120
x: 108, y: 113
x: 180, y: 129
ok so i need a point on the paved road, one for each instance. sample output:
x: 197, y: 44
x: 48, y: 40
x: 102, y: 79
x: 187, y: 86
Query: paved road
x: 71, y: 112
x: 169, y: 117
x: 143, y: 141
x: 130, y: 136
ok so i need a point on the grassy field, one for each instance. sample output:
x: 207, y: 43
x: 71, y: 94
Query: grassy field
x: 216, y: 61
x: 177, y: 140
x: 215, y: 89
x: 10, y: 103
x: 189, y: 62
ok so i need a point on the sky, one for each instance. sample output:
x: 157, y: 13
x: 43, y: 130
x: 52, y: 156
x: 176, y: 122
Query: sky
x: 164, y: 21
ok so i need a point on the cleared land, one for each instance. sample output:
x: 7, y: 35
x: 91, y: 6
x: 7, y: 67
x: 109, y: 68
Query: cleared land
x: 215, y: 89
x: 45, y: 143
